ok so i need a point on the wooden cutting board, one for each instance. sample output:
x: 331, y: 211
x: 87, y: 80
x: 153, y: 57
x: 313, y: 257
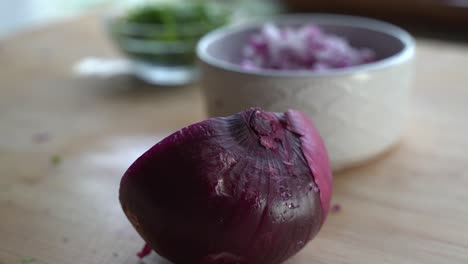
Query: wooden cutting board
x: 65, y: 141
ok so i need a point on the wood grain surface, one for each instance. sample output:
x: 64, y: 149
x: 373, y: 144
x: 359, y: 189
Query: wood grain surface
x: 65, y: 141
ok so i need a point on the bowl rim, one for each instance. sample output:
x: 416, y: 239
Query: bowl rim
x: 402, y: 35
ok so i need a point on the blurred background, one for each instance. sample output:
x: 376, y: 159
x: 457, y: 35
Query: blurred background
x: 19, y: 15
x: 442, y: 15
x: 440, y: 19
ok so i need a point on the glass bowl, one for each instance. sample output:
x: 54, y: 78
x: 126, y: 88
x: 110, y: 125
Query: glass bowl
x: 161, y: 54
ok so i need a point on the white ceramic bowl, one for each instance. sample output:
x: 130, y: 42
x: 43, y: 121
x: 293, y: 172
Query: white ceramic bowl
x: 360, y: 111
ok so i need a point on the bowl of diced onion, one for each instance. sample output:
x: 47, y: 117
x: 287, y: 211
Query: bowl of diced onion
x: 351, y: 75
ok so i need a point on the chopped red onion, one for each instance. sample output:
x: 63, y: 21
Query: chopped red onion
x: 303, y: 48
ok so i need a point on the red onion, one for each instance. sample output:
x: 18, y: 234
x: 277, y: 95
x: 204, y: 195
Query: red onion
x: 307, y: 48
x: 251, y: 188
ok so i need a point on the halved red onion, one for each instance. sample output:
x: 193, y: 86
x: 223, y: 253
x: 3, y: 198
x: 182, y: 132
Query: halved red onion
x: 251, y: 188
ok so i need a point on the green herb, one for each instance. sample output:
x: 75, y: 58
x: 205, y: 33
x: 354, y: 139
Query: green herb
x: 169, y: 14
x: 55, y: 159
x: 27, y: 260
x: 166, y: 34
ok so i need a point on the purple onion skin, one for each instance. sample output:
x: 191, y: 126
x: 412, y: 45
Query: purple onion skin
x: 251, y: 188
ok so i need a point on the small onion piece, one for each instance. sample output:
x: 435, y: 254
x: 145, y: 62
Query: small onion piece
x: 251, y: 188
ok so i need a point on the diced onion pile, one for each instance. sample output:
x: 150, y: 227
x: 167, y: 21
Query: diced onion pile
x: 302, y: 48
